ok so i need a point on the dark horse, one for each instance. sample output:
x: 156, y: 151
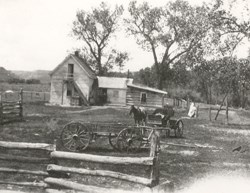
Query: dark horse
x: 140, y: 115
x: 166, y: 112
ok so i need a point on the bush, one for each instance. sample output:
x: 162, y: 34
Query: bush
x: 33, y: 81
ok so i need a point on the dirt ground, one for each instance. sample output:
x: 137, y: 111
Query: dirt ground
x: 207, y: 150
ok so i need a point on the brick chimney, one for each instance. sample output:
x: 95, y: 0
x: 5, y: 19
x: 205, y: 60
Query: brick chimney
x: 77, y: 53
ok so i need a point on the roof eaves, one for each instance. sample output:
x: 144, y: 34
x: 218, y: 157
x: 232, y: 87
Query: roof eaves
x: 89, y: 74
x: 147, y: 88
x: 58, y: 66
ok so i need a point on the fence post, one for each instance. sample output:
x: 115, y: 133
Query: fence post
x: 209, y: 113
x: 162, y: 100
x: 1, y: 113
x: 227, y: 110
x: 188, y: 104
x: 154, y: 151
x: 21, y: 104
x: 197, y: 111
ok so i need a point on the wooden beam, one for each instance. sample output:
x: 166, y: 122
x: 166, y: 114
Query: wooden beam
x: 20, y: 171
x: 34, y: 184
x: 102, y: 159
x: 154, y: 150
x: 48, y: 190
x: 76, y: 186
x: 221, y: 106
x: 23, y: 145
x: 103, y: 173
x: 13, y: 158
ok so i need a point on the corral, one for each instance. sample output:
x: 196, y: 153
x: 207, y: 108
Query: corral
x: 206, y: 148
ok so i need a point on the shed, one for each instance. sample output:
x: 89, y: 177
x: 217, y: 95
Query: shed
x: 112, y: 90
x: 144, y: 96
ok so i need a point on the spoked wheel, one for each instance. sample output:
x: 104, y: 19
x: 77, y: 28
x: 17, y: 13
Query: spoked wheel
x: 129, y: 139
x: 113, y: 140
x: 75, y: 136
x: 179, y: 128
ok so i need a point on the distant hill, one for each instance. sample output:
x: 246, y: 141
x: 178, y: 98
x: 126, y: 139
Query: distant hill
x: 6, y: 75
x: 42, y: 75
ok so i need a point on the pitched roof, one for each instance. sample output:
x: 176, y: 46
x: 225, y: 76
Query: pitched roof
x: 79, y: 61
x: 147, y: 88
x: 84, y: 64
x: 113, y: 82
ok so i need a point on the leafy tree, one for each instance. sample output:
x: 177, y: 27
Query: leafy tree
x: 146, y: 77
x: 96, y: 29
x: 168, y: 32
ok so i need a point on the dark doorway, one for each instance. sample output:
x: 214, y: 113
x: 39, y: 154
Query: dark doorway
x: 102, y: 95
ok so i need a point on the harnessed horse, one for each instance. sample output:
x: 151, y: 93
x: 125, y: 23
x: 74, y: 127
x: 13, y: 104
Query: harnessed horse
x: 140, y: 115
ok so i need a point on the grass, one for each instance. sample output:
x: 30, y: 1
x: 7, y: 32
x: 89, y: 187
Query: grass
x: 181, y: 165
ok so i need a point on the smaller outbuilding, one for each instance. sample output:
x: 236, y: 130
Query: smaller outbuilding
x: 141, y: 95
x: 112, y: 90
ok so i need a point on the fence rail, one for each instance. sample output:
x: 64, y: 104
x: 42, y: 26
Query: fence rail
x: 52, y: 176
x: 28, y: 96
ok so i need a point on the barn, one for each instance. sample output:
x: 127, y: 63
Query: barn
x: 74, y: 83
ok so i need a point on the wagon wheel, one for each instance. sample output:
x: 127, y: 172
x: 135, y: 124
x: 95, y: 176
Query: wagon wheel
x: 75, y: 136
x: 113, y: 140
x: 179, y: 128
x: 129, y: 139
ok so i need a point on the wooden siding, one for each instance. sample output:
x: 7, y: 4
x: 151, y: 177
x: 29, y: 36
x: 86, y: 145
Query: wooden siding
x: 116, y: 96
x: 134, y: 98
x: 58, y: 91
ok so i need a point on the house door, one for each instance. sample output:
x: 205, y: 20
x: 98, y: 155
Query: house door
x: 103, y: 96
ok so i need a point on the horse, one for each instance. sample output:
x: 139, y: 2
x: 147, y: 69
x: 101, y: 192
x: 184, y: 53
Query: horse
x: 140, y: 115
x: 166, y: 113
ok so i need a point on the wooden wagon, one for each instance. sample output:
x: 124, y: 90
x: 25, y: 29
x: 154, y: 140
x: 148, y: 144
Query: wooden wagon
x: 172, y: 124
x: 77, y: 135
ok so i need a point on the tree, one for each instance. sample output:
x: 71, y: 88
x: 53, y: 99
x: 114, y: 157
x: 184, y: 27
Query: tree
x: 168, y: 32
x: 146, y: 77
x: 96, y: 29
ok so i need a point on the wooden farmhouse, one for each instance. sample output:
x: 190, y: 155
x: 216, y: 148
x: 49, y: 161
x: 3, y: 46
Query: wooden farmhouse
x: 71, y: 82
x: 74, y: 83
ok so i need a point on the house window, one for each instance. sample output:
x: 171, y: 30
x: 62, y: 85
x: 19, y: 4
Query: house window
x: 143, y: 97
x: 70, y: 70
x: 69, y: 92
x: 116, y: 93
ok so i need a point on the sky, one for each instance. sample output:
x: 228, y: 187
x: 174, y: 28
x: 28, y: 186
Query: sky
x: 35, y: 34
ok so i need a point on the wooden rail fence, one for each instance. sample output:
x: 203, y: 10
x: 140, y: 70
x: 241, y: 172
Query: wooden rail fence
x: 15, y: 156
x: 55, y: 176
x: 11, y: 110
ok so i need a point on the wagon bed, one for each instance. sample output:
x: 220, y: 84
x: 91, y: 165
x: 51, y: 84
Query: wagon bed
x: 77, y: 135
x: 172, y: 124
